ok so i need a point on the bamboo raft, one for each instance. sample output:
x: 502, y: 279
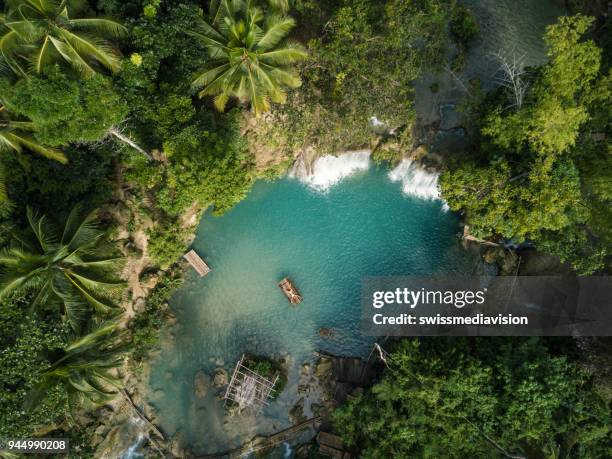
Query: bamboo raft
x: 290, y: 291
x: 197, y: 263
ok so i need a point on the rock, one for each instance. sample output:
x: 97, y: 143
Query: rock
x: 323, y: 368
x: 316, y: 409
x: 98, y: 435
x: 303, y: 451
x: 221, y: 378
x: 326, y: 332
x: 296, y: 413
x: 305, y: 368
x: 149, y: 280
x: 139, y: 305
x: 200, y: 384
x: 176, y: 450
x: 506, y: 259
x: 490, y: 255
x: 450, y: 117
x: 137, y: 398
x: 119, y: 439
x: 219, y: 362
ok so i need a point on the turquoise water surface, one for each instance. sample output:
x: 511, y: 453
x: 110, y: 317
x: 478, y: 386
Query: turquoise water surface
x: 326, y: 241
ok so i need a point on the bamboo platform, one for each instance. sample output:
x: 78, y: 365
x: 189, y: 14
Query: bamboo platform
x: 197, y: 263
x: 290, y: 291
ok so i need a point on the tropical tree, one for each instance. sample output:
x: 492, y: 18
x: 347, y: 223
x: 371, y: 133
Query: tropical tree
x: 73, y: 268
x: 85, y: 368
x: 39, y: 32
x: 17, y: 136
x: 250, y: 57
x: 478, y: 398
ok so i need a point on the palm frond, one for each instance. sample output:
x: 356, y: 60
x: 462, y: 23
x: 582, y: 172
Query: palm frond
x: 93, y: 48
x: 73, y: 58
x: 3, y: 194
x: 31, y: 144
x: 290, y: 53
x: 101, y: 26
x: 277, y: 29
x: 210, y: 75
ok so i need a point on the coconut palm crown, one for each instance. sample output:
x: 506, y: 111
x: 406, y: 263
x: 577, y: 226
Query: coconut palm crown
x: 85, y: 368
x: 16, y: 136
x: 250, y: 57
x: 36, y: 33
x: 73, y: 267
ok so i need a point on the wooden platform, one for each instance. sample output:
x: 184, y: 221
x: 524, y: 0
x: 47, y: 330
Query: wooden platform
x: 197, y: 263
x: 290, y: 291
x: 331, y: 445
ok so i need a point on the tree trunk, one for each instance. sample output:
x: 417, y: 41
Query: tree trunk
x: 118, y: 135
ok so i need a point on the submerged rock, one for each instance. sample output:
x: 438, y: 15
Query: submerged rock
x: 200, y: 384
x: 326, y: 332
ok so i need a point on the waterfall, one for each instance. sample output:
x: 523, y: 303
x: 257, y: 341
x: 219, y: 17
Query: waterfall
x: 131, y: 427
x: 329, y: 170
x: 416, y: 181
x: 131, y: 453
x: 287, y: 450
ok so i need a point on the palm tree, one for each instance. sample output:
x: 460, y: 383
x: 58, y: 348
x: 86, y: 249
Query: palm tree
x: 86, y: 368
x: 73, y: 268
x: 250, y: 57
x: 17, y: 136
x: 39, y: 32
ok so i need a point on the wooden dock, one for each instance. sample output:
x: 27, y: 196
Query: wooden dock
x: 290, y: 291
x: 197, y: 263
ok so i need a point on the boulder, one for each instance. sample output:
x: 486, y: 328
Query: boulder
x: 296, y: 413
x: 221, y: 378
x: 323, y: 368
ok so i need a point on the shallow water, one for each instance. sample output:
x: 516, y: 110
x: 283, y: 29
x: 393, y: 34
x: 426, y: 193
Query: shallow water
x: 326, y: 238
x: 509, y: 27
x: 512, y: 28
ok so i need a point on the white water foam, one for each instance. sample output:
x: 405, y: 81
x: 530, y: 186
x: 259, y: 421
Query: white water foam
x: 329, y: 170
x: 417, y: 181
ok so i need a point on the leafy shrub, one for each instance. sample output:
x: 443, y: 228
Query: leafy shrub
x: 268, y: 368
x: 26, y: 344
x: 147, y: 325
x: 65, y: 110
x: 463, y: 25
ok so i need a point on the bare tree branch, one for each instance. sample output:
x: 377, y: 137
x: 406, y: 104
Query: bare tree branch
x: 510, y: 74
